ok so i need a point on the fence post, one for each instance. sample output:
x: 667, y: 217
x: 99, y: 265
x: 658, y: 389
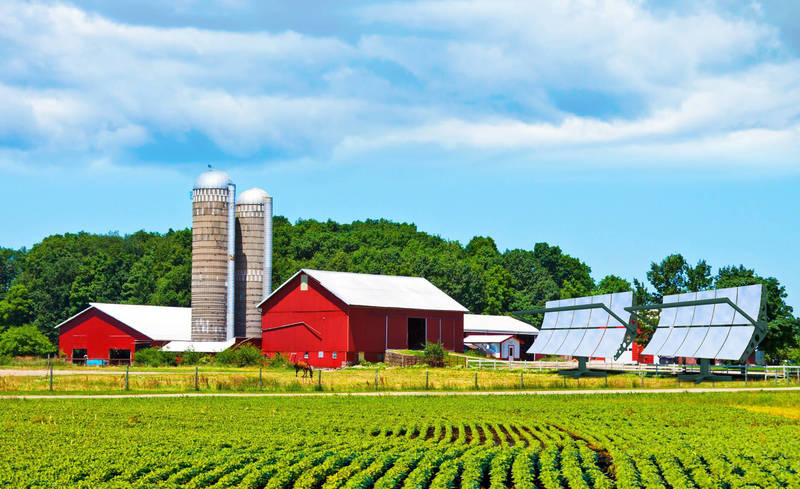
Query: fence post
x: 376, y: 379
x: 260, y: 382
x: 127, y: 371
x: 745, y: 375
x: 426, y: 380
x: 785, y: 376
x: 319, y: 379
x: 51, y: 375
x: 521, y: 381
x: 476, y: 380
x: 196, y: 385
x: 642, y: 374
x: 776, y: 376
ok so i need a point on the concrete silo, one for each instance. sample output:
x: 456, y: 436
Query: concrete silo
x: 213, y: 242
x: 253, y: 259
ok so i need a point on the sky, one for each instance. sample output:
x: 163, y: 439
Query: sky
x: 620, y: 130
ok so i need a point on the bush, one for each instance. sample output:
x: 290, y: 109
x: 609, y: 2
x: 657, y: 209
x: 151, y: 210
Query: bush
x: 155, y: 357
x: 433, y: 354
x: 191, y: 357
x: 278, y: 361
x: 25, y: 340
x: 240, y: 356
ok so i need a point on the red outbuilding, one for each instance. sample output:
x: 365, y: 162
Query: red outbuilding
x: 330, y: 318
x: 113, y: 332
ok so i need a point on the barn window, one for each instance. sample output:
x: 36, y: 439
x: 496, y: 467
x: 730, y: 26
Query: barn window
x: 321, y: 354
x: 303, y: 282
x: 305, y: 355
x: 79, y: 355
x: 333, y: 355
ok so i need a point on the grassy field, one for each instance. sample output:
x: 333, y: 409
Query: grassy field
x: 494, y: 442
x: 355, y: 379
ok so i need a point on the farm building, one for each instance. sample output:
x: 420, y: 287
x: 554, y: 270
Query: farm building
x: 506, y: 347
x: 482, y: 324
x: 114, y: 332
x: 330, y: 318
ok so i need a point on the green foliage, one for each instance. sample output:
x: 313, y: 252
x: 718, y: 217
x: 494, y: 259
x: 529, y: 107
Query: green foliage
x: 433, y: 354
x: 611, y: 284
x: 191, y: 357
x: 278, y: 361
x: 11, y: 262
x: 239, y: 356
x: 25, y: 340
x: 674, y: 275
x: 16, y: 308
x: 155, y: 357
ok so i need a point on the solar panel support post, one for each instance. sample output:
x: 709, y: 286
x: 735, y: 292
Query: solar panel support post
x: 705, y: 374
x: 582, y: 370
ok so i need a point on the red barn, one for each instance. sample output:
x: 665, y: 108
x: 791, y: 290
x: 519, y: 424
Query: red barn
x: 329, y: 318
x: 113, y: 332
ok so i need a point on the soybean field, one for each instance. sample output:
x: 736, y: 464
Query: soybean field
x: 717, y: 440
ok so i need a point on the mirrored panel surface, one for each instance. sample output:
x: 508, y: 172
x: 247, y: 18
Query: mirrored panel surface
x: 619, y: 302
x: 612, y: 340
x: 581, y: 317
x: 667, y: 316
x: 657, y: 341
x: 552, y: 347
x: 565, y: 317
x: 702, y: 314
x: 723, y: 313
x: 684, y: 315
x: 713, y: 342
x: 541, y: 341
x: 749, y: 300
x: 674, y: 342
x: 694, y: 338
x: 589, y: 342
x: 599, y: 317
x: 571, y: 342
x: 734, y: 346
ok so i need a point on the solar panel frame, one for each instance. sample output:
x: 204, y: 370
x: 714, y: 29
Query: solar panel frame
x: 666, y: 322
x: 559, y: 335
x: 721, y: 321
x: 736, y: 343
x: 580, y: 320
x: 699, y: 328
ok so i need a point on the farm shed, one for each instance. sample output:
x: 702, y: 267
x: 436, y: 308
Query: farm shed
x: 506, y: 347
x: 330, y: 318
x: 113, y: 332
x: 502, y: 325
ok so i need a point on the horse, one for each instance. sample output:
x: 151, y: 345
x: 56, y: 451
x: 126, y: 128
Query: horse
x: 301, y: 365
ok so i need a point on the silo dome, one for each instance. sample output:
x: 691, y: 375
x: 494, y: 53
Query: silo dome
x: 213, y: 179
x: 252, y: 196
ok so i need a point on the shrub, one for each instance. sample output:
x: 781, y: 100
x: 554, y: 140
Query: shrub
x: 155, y: 357
x: 240, y: 356
x: 25, y: 340
x: 278, y: 361
x: 433, y: 354
x: 191, y: 357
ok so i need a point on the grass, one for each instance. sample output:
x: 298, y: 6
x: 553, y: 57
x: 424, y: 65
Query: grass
x: 354, y: 379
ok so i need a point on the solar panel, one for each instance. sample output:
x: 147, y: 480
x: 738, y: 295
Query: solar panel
x: 614, y: 334
x: 665, y: 323
x: 546, y: 331
x: 580, y: 320
x: 562, y: 324
x: 598, y: 318
x: 708, y: 331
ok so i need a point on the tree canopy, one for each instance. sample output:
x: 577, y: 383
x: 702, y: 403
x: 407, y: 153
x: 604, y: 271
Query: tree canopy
x: 61, y: 275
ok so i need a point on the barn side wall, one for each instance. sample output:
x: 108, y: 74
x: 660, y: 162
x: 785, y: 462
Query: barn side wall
x: 97, y: 332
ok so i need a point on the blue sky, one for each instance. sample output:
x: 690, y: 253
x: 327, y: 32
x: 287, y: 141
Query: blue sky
x: 620, y: 130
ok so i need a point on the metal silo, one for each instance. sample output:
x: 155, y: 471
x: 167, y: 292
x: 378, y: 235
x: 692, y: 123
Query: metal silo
x: 213, y: 241
x: 253, y: 259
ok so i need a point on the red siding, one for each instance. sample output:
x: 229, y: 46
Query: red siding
x: 97, y: 332
x: 314, y: 320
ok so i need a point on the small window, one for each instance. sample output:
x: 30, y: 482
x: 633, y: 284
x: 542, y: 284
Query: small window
x: 305, y: 355
x: 333, y: 355
x: 303, y: 282
x: 321, y: 354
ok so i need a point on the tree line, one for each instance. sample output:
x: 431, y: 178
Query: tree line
x: 59, y: 276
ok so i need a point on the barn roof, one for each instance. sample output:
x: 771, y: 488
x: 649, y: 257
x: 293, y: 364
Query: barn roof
x: 479, y: 323
x: 487, y: 338
x: 391, y: 291
x: 198, y: 346
x: 159, y: 323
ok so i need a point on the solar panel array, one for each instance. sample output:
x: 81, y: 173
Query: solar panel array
x: 590, y: 332
x: 714, y: 331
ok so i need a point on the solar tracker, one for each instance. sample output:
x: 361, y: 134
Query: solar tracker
x: 592, y: 326
x: 712, y: 324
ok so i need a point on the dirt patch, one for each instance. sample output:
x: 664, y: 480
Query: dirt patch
x: 604, y: 459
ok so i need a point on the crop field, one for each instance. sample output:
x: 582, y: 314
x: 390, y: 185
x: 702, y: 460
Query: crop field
x: 356, y: 379
x: 492, y: 442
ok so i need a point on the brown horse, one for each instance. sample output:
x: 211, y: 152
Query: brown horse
x: 301, y: 365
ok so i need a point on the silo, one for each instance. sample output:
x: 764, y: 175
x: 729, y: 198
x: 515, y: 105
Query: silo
x: 253, y: 259
x: 213, y: 236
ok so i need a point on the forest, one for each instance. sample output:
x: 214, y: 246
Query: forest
x: 59, y: 276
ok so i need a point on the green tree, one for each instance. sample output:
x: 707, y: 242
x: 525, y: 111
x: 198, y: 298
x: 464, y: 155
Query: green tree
x: 25, y: 340
x: 611, y: 284
x: 16, y: 308
x: 11, y: 262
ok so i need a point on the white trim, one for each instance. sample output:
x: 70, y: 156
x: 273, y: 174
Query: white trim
x: 73, y: 317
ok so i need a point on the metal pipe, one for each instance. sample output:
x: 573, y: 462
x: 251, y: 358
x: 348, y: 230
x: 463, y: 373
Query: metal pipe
x: 267, y: 270
x: 231, y: 287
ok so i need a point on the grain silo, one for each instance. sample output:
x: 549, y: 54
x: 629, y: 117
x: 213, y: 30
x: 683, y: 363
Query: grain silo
x: 213, y: 238
x: 253, y: 259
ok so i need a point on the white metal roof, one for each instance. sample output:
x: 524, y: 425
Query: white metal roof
x: 213, y: 179
x: 198, y: 346
x: 362, y: 289
x: 487, y: 338
x: 479, y: 323
x: 159, y: 323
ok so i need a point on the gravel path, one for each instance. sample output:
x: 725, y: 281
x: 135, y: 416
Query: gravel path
x: 410, y: 393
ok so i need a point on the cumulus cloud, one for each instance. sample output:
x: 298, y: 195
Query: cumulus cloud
x: 463, y: 76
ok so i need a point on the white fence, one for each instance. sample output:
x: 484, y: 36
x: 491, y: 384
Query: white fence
x: 787, y: 372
